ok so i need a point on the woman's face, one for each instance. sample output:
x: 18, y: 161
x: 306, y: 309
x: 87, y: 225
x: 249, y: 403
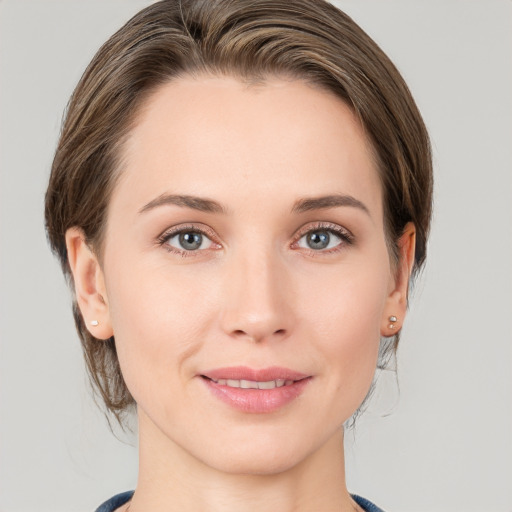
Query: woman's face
x: 245, y: 247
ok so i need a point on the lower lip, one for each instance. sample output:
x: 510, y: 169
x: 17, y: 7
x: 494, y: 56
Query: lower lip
x: 257, y: 401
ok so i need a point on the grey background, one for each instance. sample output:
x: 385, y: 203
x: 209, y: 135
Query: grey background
x: 444, y: 443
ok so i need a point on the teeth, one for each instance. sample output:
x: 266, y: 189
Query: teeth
x: 248, y: 384
x: 271, y: 384
x: 252, y: 384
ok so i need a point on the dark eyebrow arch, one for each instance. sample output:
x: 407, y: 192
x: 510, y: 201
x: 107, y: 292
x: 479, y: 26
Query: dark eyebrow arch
x: 196, y: 203
x: 323, y: 202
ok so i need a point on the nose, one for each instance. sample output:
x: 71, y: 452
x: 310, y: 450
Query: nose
x: 257, y: 297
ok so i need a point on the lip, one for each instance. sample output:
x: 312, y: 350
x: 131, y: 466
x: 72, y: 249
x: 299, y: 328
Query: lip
x: 256, y: 401
x: 246, y: 373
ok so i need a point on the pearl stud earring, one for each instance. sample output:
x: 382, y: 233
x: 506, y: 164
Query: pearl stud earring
x: 392, y: 319
x: 95, y: 323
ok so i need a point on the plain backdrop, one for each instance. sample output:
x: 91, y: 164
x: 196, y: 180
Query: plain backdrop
x: 443, y: 441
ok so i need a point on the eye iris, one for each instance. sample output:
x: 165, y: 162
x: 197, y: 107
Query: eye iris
x: 191, y: 240
x: 318, y: 239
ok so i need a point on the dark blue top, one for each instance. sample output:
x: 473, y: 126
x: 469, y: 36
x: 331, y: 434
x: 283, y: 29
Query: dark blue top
x: 120, y: 499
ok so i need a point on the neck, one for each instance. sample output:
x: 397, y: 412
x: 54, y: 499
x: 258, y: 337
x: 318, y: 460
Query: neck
x: 172, y: 479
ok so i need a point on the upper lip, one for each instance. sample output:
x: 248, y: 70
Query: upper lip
x: 252, y: 374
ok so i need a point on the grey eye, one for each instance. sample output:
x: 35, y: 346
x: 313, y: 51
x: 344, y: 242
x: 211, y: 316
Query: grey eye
x: 189, y: 241
x: 319, y: 239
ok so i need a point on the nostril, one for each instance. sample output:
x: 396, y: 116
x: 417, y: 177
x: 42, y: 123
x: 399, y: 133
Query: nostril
x: 257, y: 336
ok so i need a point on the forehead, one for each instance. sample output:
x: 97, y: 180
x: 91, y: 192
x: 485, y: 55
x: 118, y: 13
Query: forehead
x: 211, y: 136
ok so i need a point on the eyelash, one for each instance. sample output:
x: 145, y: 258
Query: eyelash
x: 164, y: 238
x: 345, y: 236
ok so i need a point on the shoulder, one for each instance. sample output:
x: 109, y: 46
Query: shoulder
x: 115, y: 502
x: 367, y: 505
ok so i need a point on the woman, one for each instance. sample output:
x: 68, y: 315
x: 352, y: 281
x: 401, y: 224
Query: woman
x: 241, y: 193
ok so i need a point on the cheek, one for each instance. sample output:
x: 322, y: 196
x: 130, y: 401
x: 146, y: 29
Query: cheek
x: 345, y: 319
x: 159, y: 320
x: 347, y: 300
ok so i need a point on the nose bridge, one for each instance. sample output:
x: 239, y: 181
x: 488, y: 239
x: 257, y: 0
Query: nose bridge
x: 255, y: 305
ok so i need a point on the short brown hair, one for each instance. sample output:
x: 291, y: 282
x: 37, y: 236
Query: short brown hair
x: 310, y: 40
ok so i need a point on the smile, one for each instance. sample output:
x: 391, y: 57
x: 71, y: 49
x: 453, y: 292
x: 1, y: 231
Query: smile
x: 252, y: 384
x: 255, y: 391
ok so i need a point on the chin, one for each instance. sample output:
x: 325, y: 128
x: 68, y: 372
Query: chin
x: 259, y: 455
x: 264, y: 464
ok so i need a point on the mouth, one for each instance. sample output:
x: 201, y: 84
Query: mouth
x: 252, y: 384
x: 256, y: 391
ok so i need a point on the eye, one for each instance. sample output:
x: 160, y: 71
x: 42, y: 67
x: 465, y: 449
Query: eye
x: 319, y: 240
x: 188, y: 240
x: 325, y: 239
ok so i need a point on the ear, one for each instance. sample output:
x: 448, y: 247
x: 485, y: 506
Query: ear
x: 90, y: 290
x: 396, y: 304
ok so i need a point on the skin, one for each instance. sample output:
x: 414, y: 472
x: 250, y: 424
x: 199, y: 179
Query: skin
x: 254, y: 293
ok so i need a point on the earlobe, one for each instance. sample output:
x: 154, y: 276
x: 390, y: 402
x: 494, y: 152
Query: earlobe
x: 396, y: 306
x: 89, y: 284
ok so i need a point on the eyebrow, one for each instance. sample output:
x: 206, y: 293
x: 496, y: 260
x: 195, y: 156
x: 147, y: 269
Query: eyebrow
x: 210, y: 206
x: 331, y: 201
x: 196, y: 203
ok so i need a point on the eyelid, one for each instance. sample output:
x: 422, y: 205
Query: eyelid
x: 183, y: 228
x: 346, y: 236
